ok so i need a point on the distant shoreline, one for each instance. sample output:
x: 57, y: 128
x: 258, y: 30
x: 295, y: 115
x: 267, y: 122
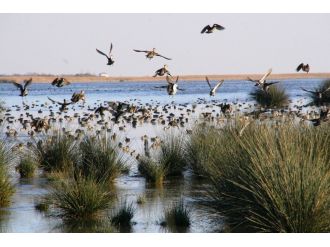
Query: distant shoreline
x: 87, y: 79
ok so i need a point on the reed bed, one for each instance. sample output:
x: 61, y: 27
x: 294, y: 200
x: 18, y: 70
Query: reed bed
x: 275, y: 97
x: 177, y: 217
x: 271, y: 178
x: 26, y: 167
x: 122, y: 218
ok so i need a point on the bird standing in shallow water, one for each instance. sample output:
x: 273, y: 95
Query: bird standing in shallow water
x: 23, y: 89
x: 209, y: 29
x: 152, y: 53
x: 110, y: 57
x: 303, y: 67
x: 212, y: 92
x: 162, y: 71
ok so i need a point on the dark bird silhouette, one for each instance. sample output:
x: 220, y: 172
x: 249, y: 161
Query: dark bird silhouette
x: 152, y: 53
x: 303, y: 67
x: 209, y: 29
x: 101, y: 109
x: 23, y: 88
x: 262, y: 83
x: 317, y: 93
x: 63, y: 104
x: 60, y: 82
x: 213, y: 90
x: 109, y: 57
x: 162, y: 71
x: 323, y: 117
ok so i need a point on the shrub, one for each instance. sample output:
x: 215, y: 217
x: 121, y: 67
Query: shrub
x: 274, y: 97
x: 26, y: 168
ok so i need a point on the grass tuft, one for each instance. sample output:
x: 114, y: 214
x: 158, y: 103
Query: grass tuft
x: 123, y: 217
x: 275, y: 97
x: 177, y: 217
x: 26, y: 168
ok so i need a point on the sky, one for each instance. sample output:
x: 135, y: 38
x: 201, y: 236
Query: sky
x: 250, y: 43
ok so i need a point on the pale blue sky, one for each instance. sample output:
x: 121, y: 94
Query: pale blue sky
x: 251, y: 43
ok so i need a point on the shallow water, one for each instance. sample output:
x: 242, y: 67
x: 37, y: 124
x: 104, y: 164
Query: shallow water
x: 21, y: 216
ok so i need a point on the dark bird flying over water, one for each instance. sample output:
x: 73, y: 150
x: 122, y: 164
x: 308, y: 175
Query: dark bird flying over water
x: 23, y: 87
x: 209, y: 29
x: 303, y: 67
x: 152, y: 53
x: 109, y: 57
x: 162, y: 71
x: 60, y: 82
x: 212, y: 92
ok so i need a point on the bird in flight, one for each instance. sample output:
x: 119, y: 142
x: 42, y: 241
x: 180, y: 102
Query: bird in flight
x: 23, y: 87
x: 109, y: 57
x: 317, y: 93
x: 152, y: 53
x: 172, y: 86
x: 303, y: 67
x: 60, y: 82
x: 63, y: 104
x: 212, y: 92
x: 209, y: 29
x: 162, y: 71
x: 262, y: 82
x: 78, y: 96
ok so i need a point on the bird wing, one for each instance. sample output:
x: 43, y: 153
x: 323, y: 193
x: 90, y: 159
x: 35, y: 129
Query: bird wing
x: 54, y: 82
x: 208, y: 82
x: 157, y: 54
x: 265, y: 76
x: 250, y: 79
x: 326, y: 90
x: 177, y: 79
x: 205, y: 28
x: 17, y: 85
x: 169, y: 79
x: 111, y: 46
x: 54, y: 101
x: 273, y: 82
x: 27, y: 83
x: 161, y: 87
x: 219, y: 27
x: 140, y: 51
x: 218, y: 85
x: 66, y: 82
x: 102, y: 53
x: 307, y: 90
x: 299, y: 67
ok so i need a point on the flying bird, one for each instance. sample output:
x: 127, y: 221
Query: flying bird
x: 162, y: 71
x: 172, y: 87
x: 63, y: 104
x: 303, y: 67
x: 212, y: 92
x: 60, y: 82
x: 152, y: 53
x: 23, y: 88
x: 109, y: 57
x: 317, y: 93
x: 262, y: 82
x: 78, y: 96
x: 209, y: 29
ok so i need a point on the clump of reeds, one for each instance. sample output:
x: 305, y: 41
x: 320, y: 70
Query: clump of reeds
x: 168, y: 161
x: 26, y: 167
x: 6, y: 187
x: 275, y: 96
x: 141, y: 199
x: 100, y: 160
x: 42, y: 206
x: 325, y: 99
x: 177, y: 217
x: 56, y: 153
x: 122, y: 218
x: 272, y: 178
x: 80, y: 199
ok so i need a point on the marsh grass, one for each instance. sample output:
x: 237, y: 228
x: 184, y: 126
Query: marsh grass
x: 100, y: 160
x: 167, y: 161
x: 272, y: 178
x: 177, y: 217
x: 6, y: 187
x: 122, y: 218
x: 80, y: 199
x: 141, y: 199
x: 26, y: 167
x: 275, y: 97
x: 56, y: 153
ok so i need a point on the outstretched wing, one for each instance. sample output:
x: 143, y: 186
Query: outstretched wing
x: 272, y: 83
x: 299, y: 67
x: 66, y: 82
x: 251, y: 80
x: 111, y: 46
x: 219, y: 27
x: 208, y: 82
x: 206, y: 28
x: 53, y: 101
x: 102, y: 53
x: 17, y: 85
x: 218, y: 85
x: 27, y: 83
x: 326, y: 90
x: 177, y: 79
x: 265, y: 76
x: 157, y: 54
x: 307, y: 90
x: 54, y: 82
x: 140, y: 51
x: 169, y: 79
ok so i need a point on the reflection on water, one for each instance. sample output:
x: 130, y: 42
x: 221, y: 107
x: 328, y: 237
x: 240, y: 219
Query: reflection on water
x: 22, y: 216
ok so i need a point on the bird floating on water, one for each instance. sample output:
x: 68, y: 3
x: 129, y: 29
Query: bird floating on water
x: 109, y: 57
x: 23, y: 88
x: 162, y: 71
x: 209, y: 29
x: 303, y: 67
x: 212, y: 92
x: 60, y: 82
x: 152, y: 53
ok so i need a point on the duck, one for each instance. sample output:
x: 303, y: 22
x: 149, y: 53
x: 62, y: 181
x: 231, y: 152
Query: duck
x: 317, y: 93
x: 209, y: 29
x: 303, y: 67
x: 110, y: 57
x: 78, y: 96
x: 63, y: 104
x: 262, y: 83
x: 162, y: 71
x: 213, y: 90
x: 152, y: 53
x: 60, y: 82
x: 23, y: 87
